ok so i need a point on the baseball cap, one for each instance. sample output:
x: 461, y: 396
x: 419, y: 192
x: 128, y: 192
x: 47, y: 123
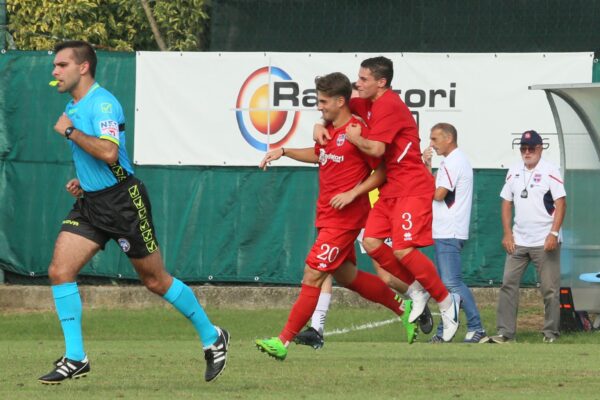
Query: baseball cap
x: 531, y: 138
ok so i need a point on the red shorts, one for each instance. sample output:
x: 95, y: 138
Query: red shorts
x: 332, y: 248
x: 407, y: 220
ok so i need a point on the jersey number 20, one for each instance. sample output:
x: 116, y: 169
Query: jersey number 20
x: 329, y: 253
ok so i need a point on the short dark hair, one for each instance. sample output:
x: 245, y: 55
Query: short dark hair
x: 83, y: 52
x: 449, y: 129
x: 334, y: 84
x: 380, y: 67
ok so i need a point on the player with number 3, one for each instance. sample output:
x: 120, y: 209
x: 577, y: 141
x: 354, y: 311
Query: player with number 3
x: 404, y: 209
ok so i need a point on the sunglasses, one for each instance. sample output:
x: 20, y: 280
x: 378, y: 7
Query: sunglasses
x: 530, y: 149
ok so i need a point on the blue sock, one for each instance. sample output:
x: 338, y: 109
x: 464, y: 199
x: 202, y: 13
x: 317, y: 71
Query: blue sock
x: 68, y: 308
x: 183, y: 299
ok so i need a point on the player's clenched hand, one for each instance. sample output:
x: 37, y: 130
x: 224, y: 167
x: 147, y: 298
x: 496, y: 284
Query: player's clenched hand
x: 321, y: 135
x: 270, y: 156
x: 73, y: 187
x: 62, y: 124
x: 341, y: 200
x: 508, y: 242
x: 353, y: 133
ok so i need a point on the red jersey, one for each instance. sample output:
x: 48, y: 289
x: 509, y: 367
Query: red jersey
x: 342, y: 166
x: 391, y: 122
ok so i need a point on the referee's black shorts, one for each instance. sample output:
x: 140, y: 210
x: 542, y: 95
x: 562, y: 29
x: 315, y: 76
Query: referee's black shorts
x: 121, y: 212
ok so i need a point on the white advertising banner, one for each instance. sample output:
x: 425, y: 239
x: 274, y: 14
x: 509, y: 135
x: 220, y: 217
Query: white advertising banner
x: 230, y: 108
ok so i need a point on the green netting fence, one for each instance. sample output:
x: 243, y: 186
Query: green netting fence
x: 469, y: 26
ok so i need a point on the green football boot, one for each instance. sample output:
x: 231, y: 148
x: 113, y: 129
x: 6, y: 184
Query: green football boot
x: 273, y: 347
x: 411, y: 327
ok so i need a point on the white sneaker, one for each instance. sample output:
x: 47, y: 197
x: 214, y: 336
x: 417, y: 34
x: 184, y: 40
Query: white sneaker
x: 450, y: 318
x: 420, y: 298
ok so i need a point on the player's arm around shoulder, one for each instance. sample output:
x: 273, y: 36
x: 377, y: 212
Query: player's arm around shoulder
x: 386, y: 122
x: 355, y: 136
x: 320, y: 134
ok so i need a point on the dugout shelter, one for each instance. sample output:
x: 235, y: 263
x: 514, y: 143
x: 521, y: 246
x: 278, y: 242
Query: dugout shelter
x: 576, y: 111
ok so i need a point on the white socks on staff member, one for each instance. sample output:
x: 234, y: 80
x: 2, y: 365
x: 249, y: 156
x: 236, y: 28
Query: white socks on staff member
x: 318, y: 317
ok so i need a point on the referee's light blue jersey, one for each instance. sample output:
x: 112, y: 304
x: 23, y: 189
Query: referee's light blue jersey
x: 98, y: 114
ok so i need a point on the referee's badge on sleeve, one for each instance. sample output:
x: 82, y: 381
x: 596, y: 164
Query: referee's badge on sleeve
x: 110, y: 128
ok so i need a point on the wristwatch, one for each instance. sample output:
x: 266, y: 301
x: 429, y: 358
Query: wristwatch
x: 68, y: 132
x: 554, y: 233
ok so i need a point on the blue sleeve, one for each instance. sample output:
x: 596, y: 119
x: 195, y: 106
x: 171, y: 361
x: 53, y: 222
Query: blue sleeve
x: 106, y: 113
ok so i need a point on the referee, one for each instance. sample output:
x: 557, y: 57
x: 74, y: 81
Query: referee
x: 111, y: 204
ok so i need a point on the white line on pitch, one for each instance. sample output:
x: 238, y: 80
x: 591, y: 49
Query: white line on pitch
x: 368, y: 325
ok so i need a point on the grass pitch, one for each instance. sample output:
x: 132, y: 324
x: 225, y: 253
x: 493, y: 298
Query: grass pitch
x: 154, y: 354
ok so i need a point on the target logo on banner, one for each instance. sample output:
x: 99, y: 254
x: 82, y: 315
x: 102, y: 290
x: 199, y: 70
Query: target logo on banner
x: 262, y: 123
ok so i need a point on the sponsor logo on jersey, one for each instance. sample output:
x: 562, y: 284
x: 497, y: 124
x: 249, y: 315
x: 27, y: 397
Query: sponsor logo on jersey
x: 109, y: 127
x: 407, y: 237
x: 537, y: 177
x: 324, y: 157
x: 124, y: 243
x: 340, y: 140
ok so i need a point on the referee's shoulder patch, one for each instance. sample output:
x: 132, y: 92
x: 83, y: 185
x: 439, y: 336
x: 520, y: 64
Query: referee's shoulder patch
x: 109, y: 127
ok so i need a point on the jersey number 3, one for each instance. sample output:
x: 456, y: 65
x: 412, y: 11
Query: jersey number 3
x: 407, y: 225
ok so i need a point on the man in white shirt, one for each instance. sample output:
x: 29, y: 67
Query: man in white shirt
x: 451, y: 216
x: 535, y: 187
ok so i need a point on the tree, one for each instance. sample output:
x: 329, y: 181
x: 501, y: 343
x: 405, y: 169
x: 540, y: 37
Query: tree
x: 108, y: 24
x: 155, y: 31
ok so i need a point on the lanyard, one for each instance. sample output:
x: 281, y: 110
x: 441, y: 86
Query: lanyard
x: 524, y: 193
